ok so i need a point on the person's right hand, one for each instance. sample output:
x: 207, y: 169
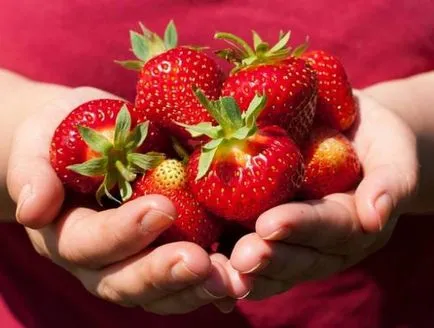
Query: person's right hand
x: 107, y: 250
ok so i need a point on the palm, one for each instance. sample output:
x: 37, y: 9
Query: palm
x: 328, y: 235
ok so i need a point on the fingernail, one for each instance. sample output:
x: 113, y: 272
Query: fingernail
x: 25, y: 194
x: 245, y: 295
x: 276, y: 234
x: 261, y: 265
x: 214, y: 286
x: 383, y: 206
x: 181, y: 272
x: 156, y: 221
x: 225, y: 307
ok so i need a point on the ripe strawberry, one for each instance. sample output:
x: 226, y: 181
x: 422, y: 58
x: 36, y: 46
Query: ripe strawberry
x: 193, y: 223
x: 93, y: 149
x: 331, y: 163
x: 244, y: 170
x: 288, y: 82
x: 167, y: 74
x: 336, y: 106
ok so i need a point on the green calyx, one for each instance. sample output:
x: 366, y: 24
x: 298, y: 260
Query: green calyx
x: 242, y: 55
x: 147, y: 44
x: 119, y: 164
x: 233, y: 126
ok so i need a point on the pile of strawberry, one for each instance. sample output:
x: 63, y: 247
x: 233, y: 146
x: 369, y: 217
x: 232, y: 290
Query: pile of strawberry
x: 222, y: 148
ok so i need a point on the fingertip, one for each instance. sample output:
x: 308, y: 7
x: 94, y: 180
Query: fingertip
x: 249, y: 253
x: 40, y: 201
x: 195, y: 259
x: 157, y: 203
x: 374, y: 202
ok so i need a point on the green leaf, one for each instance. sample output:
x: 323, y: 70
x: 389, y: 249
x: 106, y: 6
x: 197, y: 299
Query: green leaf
x: 230, y: 55
x: 214, y: 108
x: 241, y: 133
x: 91, y: 168
x: 125, y: 190
x: 205, y: 161
x: 145, y: 161
x: 262, y: 48
x: 230, y: 114
x: 136, y: 138
x: 122, y: 127
x: 255, y: 107
x: 146, y: 32
x: 125, y: 172
x: 139, y: 46
x: 94, y: 140
x: 256, y: 39
x: 213, y: 144
x: 182, y: 153
x: 250, y: 60
x: 133, y: 65
x: 236, y: 41
x: 104, y: 189
x: 203, y: 128
x: 298, y: 51
x: 282, y: 42
x: 170, y: 36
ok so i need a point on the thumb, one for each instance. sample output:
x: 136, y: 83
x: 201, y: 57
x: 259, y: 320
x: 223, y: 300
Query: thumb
x: 384, y: 192
x: 390, y: 165
x: 31, y: 181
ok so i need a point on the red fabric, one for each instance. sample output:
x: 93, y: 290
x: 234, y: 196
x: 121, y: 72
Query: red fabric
x: 75, y: 43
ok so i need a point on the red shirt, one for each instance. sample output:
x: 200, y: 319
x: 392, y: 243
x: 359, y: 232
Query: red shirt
x: 75, y: 43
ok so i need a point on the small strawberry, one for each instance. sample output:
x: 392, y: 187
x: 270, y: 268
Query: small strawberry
x: 167, y: 74
x: 244, y: 170
x: 193, y: 223
x: 288, y: 82
x: 335, y: 106
x: 94, y: 149
x: 331, y: 163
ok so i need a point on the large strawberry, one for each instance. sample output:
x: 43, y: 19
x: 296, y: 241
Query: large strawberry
x: 288, y: 82
x: 244, y: 170
x: 331, y: 163
x: 99, y: 146
x: 193, y: 223
x: 336, y: 106
x: 167, y: 74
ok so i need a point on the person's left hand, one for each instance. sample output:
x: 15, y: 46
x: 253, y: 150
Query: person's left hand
x: 310, y: 240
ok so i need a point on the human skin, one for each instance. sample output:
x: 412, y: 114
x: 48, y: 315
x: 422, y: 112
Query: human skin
x: 323, y: 236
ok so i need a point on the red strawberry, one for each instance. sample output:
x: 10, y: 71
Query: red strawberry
x: 193, y: 223
x: 336, y: 106
x: 93, y: 149
x: 331, y: 163
x: 288, y: 82
x: 244, y: 170
x: 167, y: 74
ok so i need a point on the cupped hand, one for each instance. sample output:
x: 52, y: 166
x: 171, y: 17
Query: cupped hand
x: 310, y: 240
x: 108, y: 251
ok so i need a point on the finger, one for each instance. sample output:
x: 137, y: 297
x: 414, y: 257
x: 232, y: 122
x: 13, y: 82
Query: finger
x: 95, y: 239
x: 389, y: 163
x: 150, y: 276
x: 32, y: 183
x: 239, y: 285
x: 330, y: 224
x: 280, y: 261
x: 215, y: 287
x: 277, y: 266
